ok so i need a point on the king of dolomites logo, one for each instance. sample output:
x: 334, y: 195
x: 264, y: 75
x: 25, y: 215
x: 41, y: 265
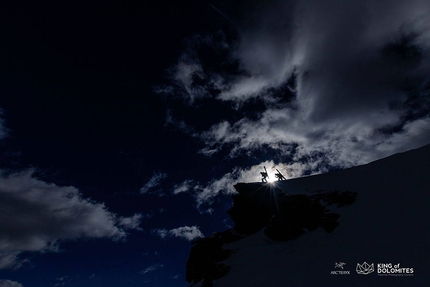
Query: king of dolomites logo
x: 390, y: 269
x: 365, y: 268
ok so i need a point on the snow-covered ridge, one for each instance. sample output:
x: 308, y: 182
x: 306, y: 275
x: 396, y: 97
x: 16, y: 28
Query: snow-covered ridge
x: 388, y: 223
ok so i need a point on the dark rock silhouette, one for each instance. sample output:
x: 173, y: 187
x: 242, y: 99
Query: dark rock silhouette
x: 284, y: 216
x: 206, y: 255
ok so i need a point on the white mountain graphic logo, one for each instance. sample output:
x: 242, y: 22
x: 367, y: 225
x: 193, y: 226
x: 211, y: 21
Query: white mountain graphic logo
x: 365, y: 268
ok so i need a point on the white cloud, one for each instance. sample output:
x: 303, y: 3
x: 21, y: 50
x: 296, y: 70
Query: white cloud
x: 37, y: 215
x: 163, y: 233
x: 131, y: 222
x: 155, y: 180
x: 362, y: 86
x: 62, y: 281
x: 187, y: 232
x: 151, y: 268
x: 185, y: 186
x: 9, y: 283
x: 184, y: 74
x: 347, y: 90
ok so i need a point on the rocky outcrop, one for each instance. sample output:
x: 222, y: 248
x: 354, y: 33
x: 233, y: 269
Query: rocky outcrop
x: 206, y: 254
x: 284, y: 216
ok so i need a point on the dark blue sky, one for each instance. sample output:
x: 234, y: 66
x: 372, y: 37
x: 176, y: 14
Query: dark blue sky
x: 156, y: 109
x: 77, y: 96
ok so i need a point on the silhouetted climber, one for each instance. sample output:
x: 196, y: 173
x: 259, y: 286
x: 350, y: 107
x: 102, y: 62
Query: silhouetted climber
x: 279, y: 176
x: 264, y: 175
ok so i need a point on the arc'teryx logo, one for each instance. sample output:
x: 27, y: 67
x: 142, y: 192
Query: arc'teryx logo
x: 365, y: 268
x: 340, y: 272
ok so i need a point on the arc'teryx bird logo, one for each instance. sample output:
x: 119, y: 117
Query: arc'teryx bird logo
x: 340, y: 272
x: 365, y: 268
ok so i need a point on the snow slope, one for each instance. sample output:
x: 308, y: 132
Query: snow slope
x: 388, y: 223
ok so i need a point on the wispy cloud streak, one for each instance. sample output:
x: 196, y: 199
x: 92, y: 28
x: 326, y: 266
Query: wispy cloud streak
x: 186, y: 232
x: 155, y: 181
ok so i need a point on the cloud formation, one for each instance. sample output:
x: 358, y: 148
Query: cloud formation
x: 9, y: 283
x: 37, y: 215
x: 187, y: 232
x: 153, y: 182
x: 204, y: 194
x: 184, y: 186
x: 150, y: 268
x: 338, y: 83
x: 3, y: 129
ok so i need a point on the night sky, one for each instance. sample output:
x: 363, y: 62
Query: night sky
x: 125, y: 124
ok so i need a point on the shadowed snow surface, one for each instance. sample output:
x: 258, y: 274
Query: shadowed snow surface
x: 388, y: 223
